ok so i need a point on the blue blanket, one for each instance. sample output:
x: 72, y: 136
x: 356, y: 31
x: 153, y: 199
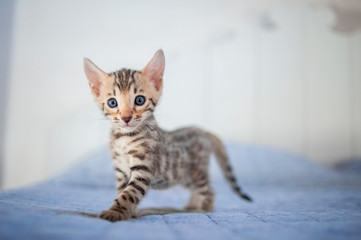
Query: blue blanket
x: 293, y: 199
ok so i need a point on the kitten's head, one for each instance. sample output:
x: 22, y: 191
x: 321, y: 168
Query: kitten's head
x: 127, y: 97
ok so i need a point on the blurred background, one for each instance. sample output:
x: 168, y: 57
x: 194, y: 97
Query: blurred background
x: 281, y: 74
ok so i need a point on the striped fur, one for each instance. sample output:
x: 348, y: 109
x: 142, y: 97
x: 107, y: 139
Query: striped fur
x: 144, y: 155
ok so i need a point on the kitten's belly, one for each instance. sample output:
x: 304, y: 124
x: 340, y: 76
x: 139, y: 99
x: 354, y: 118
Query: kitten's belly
x: 161, y: 183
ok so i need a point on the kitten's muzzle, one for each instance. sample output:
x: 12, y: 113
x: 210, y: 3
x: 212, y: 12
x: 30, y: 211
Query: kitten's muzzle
x: 126, y: 119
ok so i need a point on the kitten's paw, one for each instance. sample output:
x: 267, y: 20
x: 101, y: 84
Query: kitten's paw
x: 112, y: 215
x: 190, y: 208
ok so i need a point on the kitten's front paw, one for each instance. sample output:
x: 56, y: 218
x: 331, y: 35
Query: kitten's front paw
x: 112, y: 215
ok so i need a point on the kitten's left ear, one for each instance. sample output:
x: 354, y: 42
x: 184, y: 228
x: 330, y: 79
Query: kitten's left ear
x: 155, y: 69
x: 95, y: 76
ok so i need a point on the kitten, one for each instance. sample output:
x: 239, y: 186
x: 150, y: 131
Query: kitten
x: 144, y: 155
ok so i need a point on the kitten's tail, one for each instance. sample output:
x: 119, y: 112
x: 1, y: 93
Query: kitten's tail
x: 223, y: 161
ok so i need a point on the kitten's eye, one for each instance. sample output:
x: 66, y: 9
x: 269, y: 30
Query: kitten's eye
x: 139, y: 100
x: 112, y: 103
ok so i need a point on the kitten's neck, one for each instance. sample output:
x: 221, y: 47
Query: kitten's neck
x: 149, y: 122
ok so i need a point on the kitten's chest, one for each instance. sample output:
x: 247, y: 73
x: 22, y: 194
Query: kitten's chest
x: 119, y: 149
x: 120, y: 145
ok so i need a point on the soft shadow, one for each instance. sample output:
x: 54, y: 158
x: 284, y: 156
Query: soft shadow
x: 140, y: 212
x: 160, y: 211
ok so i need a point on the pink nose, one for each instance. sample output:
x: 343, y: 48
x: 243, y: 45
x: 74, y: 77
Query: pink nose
x: 126, y: 119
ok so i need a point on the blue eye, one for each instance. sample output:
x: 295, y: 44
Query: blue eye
x: 112, y: 103
x: 139, y: 100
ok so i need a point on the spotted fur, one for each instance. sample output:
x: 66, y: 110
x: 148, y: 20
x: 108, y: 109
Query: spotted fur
x: 144, y: 155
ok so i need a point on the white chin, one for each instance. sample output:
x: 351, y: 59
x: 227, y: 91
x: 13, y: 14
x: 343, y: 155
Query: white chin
x: 126, y: 128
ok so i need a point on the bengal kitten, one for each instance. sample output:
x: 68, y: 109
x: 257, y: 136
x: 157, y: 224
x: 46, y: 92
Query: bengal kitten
x: 144, y: 155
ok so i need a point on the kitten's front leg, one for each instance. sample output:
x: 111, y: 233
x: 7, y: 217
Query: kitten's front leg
x: 121, y: 178
x: 125, y: 204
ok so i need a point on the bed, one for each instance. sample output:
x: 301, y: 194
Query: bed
x: 293, y: 199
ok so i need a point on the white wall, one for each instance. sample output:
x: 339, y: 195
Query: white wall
x: 6, y: 21
x: 283, y: 79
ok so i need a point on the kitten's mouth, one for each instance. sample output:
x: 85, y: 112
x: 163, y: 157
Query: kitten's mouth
x: 129, y: 127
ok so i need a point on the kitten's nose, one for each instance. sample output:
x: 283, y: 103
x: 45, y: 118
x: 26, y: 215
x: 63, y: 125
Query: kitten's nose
x: 126, y: 119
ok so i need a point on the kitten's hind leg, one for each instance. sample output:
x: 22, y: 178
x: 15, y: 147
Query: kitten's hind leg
x: 192, y: 204
x: 202, y: 197
x: 206, y: 199
x: 201, y: 200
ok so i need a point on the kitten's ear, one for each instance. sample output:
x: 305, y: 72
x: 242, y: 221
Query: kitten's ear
x: 95, y: 76
x: 154, y: 70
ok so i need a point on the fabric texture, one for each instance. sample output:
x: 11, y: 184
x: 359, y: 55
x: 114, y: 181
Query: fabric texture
x: 293, y: 199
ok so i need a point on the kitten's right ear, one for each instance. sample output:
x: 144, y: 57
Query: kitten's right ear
x: 155, y: 69
x: 95, y: 76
